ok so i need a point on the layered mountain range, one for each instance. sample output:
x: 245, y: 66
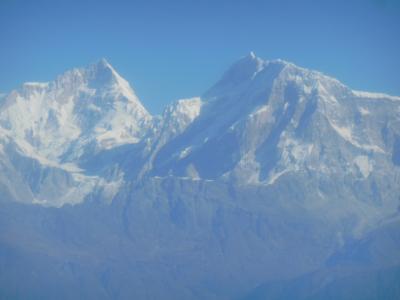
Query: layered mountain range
x: 278, y: 182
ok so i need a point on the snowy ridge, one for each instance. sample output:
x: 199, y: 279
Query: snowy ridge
x: 182, y: 112
x: 38, y: 85
x: 277, y: 182
x: 370, y: 95
x: 262, y: 122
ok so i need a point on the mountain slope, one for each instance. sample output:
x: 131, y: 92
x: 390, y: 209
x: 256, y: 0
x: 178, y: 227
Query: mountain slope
x: 278, y: 181
x: 83, y: 106
x: 276, y: 118
x: 54, y: 127
x: 267, y: 122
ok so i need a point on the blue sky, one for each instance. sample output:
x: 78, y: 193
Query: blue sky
x: 175, y: 49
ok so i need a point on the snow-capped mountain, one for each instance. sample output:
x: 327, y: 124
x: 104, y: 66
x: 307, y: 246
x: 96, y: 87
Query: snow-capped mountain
x: 273, y: 176
x: 267, y: 118
x: 88, y: 106
x: 271, y: 122
x: 261, y: 122
x: 58, y: 124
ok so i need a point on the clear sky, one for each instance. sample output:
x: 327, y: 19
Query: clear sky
x: 174, y: 49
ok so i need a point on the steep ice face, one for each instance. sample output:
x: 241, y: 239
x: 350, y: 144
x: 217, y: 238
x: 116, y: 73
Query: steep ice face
x: 89, y: 106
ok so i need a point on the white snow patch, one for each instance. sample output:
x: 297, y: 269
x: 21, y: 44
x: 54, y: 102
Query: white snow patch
x: 363, y: 111
x: 185, y: 152
x: 325, y: 95
x: 189, y: 107
x: 364, y: 165
x: 285, y: 106
x: 307, y: 90
x: 234, y: 125
x: 36, y: 84
x: 369, y: 95
x: 346, y: 134
x: 273, y: 177
x: 111, y: 188
x: 294, y: 153
x: 40, y: 202
x: 263, y: 109
x: 93, y: 107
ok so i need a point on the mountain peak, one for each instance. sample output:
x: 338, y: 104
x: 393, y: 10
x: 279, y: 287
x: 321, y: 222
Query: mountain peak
x: 104, y: 63
x: 244, y: 68
x: 251, y: 58
x: 102, y: 69
x: 104, y: 66
x: 241, y: 72
x: 92, y: 101
x: 103, y: 76
x: 98, y: 75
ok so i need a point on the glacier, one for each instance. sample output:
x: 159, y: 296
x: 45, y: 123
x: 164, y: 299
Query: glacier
x: 279, y: 182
